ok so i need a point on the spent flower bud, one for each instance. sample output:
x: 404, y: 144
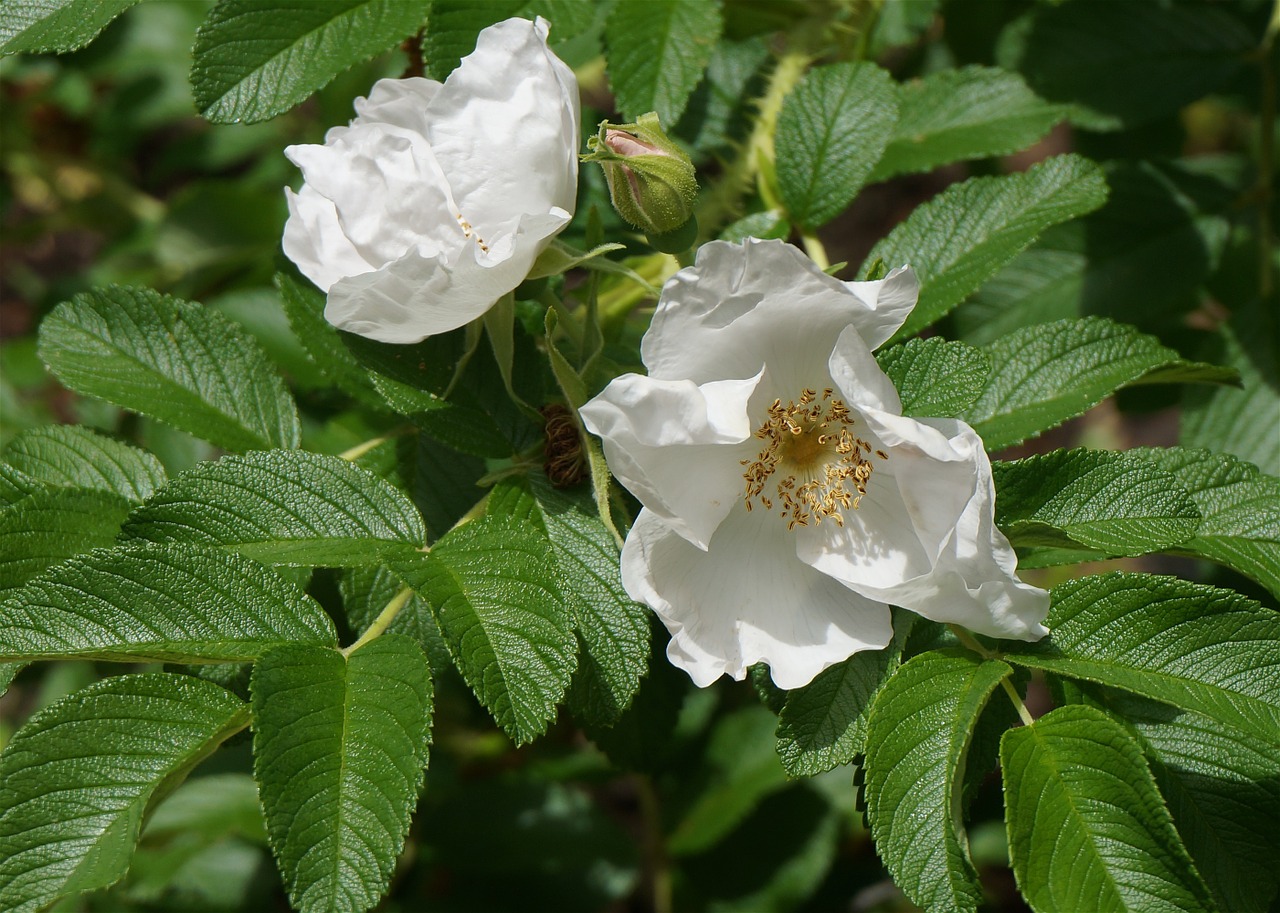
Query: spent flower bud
x: 650, y: 178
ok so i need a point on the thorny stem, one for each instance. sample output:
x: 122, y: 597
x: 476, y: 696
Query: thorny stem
x: 656, y: 861
x: 382, y: 622
x: 971, y: 642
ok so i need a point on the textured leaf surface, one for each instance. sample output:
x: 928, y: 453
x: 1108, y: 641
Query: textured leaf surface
x: 76, y: 779
x: 824, y: 724
x: 831, y: 130
x: 917, y: 737
x: 1240, y: 506
x: 1223, y: 790
x: 935, y: 377
x: 614, y: 629
x: 1121, y: 504
x: 366, y: 591
x: 58, y: 26
x: 1043, y: 375
x: 158, y: 603
x: 283, y: 507
x: 1087, y: 827
x: 1197, y: 647
x: 340, y: 746
x: 172, y: 360
x: 499, y: 605
x: 1000, y: 215
x: 304, y: 309
x: 252, y: 61
x: 657, y: 52
x: 51, y: 525
x: 72, y: 456
x: 969, y: 113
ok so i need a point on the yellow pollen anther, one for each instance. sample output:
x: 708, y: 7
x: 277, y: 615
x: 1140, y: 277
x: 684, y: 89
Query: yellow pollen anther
x: 469, y: 232
x: 811, y: 459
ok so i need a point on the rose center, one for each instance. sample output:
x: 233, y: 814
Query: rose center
x: 811, y: 463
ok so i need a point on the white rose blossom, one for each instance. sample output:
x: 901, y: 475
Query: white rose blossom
x: 787, y: 501
x: 437, y: 199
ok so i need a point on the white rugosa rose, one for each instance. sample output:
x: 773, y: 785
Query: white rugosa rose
x: 437, y: 199
x: 787, y: 500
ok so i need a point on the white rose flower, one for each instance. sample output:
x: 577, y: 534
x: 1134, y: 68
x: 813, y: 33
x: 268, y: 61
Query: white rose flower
x: 437, y: 198
x: 787, y: 500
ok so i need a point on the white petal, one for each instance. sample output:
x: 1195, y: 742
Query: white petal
x: 741, y: 305
x: 676, y: 446
x: 398, y: 102
x: 859, y: 378
x: 314, y: 240
x: 505, y: 127
x: 747, y: 599
x: 888, y: 302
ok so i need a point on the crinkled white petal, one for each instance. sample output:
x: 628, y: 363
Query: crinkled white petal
x: 855, y: 372
x: 747, y: 599
x: 676, y: 446
x: 399, y: 103
x: 502, y: 124
x: 889, y: 301
x: 739, y: 305
x: 315, y: 241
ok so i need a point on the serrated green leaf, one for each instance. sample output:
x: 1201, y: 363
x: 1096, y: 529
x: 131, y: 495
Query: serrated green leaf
x: 304, y: 309
x: 460, y: 426
x: 1197, y: 647
x: 454, y: 24
x: 57, y: 26
x: 1124, y: 64
x: 53, y: 524
x: 72, y: 456
x: 918, y: 734
x: 158, y: 604
x: 1087, y: 827
x: 77, y: 778
x: 1043, y: 375
x: 1114, y: 502
x: 1000, y: 215
x: 832, y: 129
x: 366, y: 591
x: 1240, y: 506
x: 283, y: 507
x: 339, y: 750
x: 172, y: 360
x: 955, y: 115
x: 1223, y: 790
x: 501, y: 610
x: 824, y: 724
x: 253, y: 60
x: 935, y: 377
x: 613, y: 628
x: 657, y: 52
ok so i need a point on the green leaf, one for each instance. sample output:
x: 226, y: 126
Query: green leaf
x: 1120, y: 504
x: 1000, y: 215
x: 57, y: 26
x: 935, y: 377
x: 657, y: 52
x: 72, y: 456
x: 53, y: 524
x: 831, y: 131
x: 77, y: 778
x: 1197, y: 647
x: 454, y: 25
x: 1223, y: 791
x: 500, y: 608
x: 1043, y: 375
x: 1240, y: 506
x: 253, y: 60
x: 283, y: 507
x: 460, y: 426
x: 366, y: 591
x: 918, y: 735
x: 158, y: 604
x: 824, y: 724
x: 1087, y: 827
x: 304, y: 309
x: 339, y: 749
x: 955, y: 115
x: 172, y: 360
x: 1125, y: 64
x: 614, y: 629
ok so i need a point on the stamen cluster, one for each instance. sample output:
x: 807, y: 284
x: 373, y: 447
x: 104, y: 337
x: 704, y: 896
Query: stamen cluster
x: 820, y: 465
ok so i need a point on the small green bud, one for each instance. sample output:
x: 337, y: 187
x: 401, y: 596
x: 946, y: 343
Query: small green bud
x: 650, y: 179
